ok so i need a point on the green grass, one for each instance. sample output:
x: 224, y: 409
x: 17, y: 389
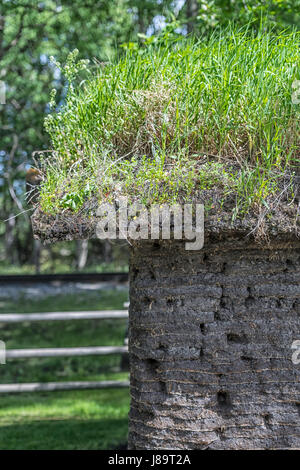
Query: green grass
x: 92, y: 419
x: 94, y: 300
x: 177, y: 117
x: 60, y: 267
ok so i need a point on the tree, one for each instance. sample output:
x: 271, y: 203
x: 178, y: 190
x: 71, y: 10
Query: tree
x: 30, y: 32
x: 192, y: 7
x: 202, y: 16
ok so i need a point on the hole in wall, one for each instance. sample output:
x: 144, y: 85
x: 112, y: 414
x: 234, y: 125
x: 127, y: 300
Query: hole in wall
x: 162, y: 386
x: 250, y: 300
x: 247, y: 358
x: 217, y: 316
x: 147, y: 301
x: 152, y: 274
x: 267, y: 419
x: 223, y: 399
x: 237, y: 338
x: 135, y: 272
x: 152, y: 365
x: 222, y: 300
x: 220, y: 432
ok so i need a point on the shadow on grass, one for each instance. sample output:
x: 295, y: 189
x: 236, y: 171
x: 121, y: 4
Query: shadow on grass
x: 99, y: 401
x: 65, y: 434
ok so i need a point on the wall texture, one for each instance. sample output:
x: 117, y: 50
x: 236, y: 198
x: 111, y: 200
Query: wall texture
x: 210, y: 340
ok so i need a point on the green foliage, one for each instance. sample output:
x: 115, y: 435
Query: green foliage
x: 30, y: 33
x: 275, y: 14
x: 146, y: 125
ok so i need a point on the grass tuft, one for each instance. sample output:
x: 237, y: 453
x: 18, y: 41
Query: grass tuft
x: 171, y: 120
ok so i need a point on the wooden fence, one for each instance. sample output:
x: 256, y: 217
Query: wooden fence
x: 63, y: 352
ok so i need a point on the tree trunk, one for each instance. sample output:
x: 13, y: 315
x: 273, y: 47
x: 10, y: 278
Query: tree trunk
x: 37, y: 255
x: 107, y: 251
x: 192, y: 9
x: 141, y: 20
x: 82, y: 253
x: 10, y: 252
x: 210, y: 339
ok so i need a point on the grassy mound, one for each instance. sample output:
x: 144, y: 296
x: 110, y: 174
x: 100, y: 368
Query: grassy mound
x: 177, y: 120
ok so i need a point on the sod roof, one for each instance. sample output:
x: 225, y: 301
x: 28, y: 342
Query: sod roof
x: 215, y: 120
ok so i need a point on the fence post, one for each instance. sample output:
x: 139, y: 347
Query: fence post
x: 2, y: 353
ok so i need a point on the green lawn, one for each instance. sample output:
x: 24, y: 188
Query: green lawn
x: 87, y: 419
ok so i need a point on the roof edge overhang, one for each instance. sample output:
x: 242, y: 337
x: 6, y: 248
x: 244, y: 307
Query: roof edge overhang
x: 67, y: 226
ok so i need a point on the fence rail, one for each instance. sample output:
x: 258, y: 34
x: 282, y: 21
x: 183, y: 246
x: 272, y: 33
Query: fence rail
x: 63, y: 352
x: 72, y: 277
x: 53, y: 386
x: 53, y: 316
